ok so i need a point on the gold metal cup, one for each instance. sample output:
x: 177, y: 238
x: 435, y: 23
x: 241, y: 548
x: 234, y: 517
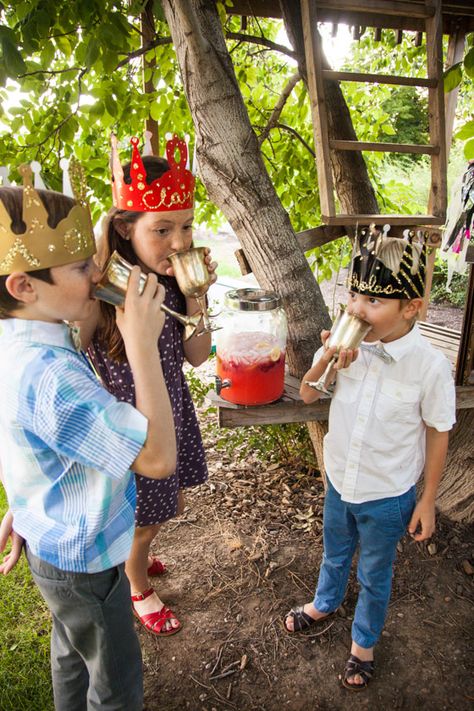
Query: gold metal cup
x: 194, y: 280
x: 112, y: 289
x: 347, y: 332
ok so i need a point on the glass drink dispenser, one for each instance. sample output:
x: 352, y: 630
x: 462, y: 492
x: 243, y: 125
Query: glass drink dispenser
x: 251, y: 347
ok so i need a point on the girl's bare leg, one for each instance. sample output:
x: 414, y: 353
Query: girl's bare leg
x: 136, y: 569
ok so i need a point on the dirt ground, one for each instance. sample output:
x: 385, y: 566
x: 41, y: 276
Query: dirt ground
x: 246, y: 550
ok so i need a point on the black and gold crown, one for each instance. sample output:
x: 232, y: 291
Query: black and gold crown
x: 389, y: 267
x: 41, y: 246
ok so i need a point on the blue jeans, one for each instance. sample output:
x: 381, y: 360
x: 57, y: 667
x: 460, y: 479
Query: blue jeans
x: 376, y: 526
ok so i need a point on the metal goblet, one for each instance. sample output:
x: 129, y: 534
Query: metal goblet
x: 112, y: 289
x: 347, y: 332
x: 194, y: 280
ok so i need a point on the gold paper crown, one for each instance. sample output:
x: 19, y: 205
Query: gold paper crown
x: 40, y: 246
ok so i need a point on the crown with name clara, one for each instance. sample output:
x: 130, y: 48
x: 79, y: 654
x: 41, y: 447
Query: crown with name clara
x: 174, y: 190
x: 41, y: 246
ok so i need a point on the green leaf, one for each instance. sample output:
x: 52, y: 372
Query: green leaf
x: 92, y: 52
x: 67, y: 132
x: 452, y: 77
x: 466, y: 131
x: 469, y: 149
x: 110, y: 105
x: 155, y: 112
x: 469, y: 63
x: 14, y: 64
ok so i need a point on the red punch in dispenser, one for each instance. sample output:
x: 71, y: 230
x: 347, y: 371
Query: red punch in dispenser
x: 251, y: 348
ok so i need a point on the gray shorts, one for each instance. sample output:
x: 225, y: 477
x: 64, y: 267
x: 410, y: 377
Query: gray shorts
x: 95, y: 654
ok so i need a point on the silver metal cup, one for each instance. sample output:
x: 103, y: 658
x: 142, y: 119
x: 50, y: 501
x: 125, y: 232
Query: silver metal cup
x: 194, y: 280
x: 112, y: 289
x: 347, y: 332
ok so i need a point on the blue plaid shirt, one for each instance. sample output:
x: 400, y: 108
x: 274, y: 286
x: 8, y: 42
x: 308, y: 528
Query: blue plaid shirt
x: 66, y: 446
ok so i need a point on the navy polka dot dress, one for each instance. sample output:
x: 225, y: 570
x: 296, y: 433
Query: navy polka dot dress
x: 157, y: 500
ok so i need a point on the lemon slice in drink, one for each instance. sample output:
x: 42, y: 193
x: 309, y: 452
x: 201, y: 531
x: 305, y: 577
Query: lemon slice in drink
x: 275, y: 353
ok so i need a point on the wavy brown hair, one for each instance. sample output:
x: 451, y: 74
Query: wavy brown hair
x: 113, y: 239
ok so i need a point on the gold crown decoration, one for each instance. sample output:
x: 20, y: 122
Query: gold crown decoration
x: 41, y: 246
x: 389, y: 267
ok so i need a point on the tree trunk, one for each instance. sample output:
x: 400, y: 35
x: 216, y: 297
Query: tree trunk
x: 456, y: 491
x: 232, y: 169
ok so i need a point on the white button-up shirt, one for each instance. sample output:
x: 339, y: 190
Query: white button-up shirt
x: 375, y: 446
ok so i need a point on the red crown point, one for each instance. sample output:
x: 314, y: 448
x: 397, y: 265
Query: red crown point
x: 174, y: 190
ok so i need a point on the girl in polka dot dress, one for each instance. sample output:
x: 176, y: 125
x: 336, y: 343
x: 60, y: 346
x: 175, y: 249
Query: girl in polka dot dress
x: 147, y: 238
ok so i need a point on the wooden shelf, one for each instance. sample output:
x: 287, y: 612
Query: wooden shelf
x: 339, y: 145
x: 291, y: 408
x: 361, y: 220
x: 379, y: 79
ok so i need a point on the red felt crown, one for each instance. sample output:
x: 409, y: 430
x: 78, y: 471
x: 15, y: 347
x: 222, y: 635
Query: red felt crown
x: 173, y: 191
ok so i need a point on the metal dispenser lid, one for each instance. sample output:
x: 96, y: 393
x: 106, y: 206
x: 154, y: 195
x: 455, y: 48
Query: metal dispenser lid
x: 252, y: 300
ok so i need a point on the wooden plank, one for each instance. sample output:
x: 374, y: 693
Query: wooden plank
x: 312, y: 45
x: 386, y: 147
x: 378, y: 78
x: 317, y: 236
x: 434, y: 49
x: 276, y: 413
x: 464, y: 397
x: 406, y: 220
x: 382, y: 7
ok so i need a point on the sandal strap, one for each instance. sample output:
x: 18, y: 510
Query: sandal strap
x: 355, y: 666
x: 155, y: 621
x: 301, y: 619
x: 156, y: 567
x: 142, y: 596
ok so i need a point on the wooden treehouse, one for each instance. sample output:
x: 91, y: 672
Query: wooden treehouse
x: 430, y: 20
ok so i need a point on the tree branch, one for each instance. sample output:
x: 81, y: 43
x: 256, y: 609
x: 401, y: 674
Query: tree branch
x: 276, y: 113
x: 254, y: 39
x: 295, y: 133
x: 159, y: 41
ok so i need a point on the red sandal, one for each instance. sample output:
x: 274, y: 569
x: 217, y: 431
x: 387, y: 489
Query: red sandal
x: 155, y: 621
x: 156, y: 568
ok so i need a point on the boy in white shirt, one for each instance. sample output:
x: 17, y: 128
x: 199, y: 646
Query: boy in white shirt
x: 389, y: 421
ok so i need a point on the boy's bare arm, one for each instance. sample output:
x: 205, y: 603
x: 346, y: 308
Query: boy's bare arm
x: 424, y: 514
x: 140, y: 323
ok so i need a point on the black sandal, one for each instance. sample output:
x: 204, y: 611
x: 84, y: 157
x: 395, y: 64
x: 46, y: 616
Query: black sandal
x: 301, y: 620
x: 355, y: 666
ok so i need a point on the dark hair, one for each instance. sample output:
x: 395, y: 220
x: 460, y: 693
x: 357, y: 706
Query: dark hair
x: 112, y: 239
x: 58, y: 207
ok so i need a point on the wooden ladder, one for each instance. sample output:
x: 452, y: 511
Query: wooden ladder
x: 428, y: 12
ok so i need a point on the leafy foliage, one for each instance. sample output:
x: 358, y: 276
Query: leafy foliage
x: 456, y: 294
x: 71, y: 72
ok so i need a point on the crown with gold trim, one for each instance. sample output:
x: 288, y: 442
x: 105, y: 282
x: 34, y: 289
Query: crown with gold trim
x: 174, y: 190
x: 41, y: 246
x: 388, y: 267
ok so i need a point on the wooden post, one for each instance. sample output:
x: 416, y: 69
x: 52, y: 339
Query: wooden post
x: 455, y: 54
x: 312, y: 44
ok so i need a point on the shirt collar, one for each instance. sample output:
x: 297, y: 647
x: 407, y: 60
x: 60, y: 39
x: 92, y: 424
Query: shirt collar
x: 44, y: 332
x: 398, y: 348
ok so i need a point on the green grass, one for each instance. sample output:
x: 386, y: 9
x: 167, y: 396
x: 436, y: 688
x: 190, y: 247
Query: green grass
x: 25, y: 678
